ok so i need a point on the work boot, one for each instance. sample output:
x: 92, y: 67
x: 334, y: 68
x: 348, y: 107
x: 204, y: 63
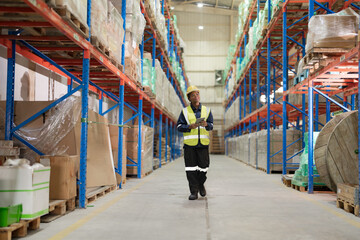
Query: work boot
x: 193, y: 196
x: 202, y: 190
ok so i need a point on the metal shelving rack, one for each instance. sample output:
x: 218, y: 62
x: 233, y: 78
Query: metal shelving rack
x: 84, y: 69
x: 274, y: 52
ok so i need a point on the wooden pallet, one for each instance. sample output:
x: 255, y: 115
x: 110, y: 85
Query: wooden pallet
x: 144, y: 174
x: 305, y: 188
x: 347, y: 206
x: 318, y: 58
x: 148, y: 91
x: 71, y: 19
x: 94, y: 195
x: 286, y: 179
x: 58, y: 208
x: 116, y: 63
x: 100, y: 46
x: 19, y: 229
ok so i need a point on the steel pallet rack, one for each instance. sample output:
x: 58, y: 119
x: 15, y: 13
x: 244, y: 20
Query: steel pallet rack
x: 324, y: 83
x: 88, y: 69
x: 294, y: 17
x: 261, y: 76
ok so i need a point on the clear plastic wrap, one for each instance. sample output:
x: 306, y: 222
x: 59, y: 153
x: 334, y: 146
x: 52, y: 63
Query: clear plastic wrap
x: 47, y: 136
x: 76, y: 7
x: 115, y: 32
x: 147, y: 136
x: 99, y: 12
x: 338, y: 30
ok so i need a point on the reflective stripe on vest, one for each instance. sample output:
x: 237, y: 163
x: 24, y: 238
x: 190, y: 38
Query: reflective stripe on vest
x: 192, y: 138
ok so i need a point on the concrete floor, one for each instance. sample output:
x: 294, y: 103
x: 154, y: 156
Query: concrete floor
x: 242, y: 203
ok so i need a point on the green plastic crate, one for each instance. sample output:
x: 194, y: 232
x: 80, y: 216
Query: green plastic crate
x: 10, y: 215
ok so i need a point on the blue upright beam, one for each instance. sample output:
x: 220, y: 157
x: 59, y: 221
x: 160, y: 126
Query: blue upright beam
x: 160, y: 135
x: 84, y: 128
x: 171, y: 141
x: 139, y: 153
x: 311, y: 138
x: 166, y: 138
x: 268, y: 81
x: 123, y: 15
x: 285, y: 83
x: 9, y: 119
x: 121, y: 131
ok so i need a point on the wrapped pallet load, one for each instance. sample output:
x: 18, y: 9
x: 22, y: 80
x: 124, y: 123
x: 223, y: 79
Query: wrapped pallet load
x: 115, y: 31
x: 99, y: 33
x: 159, y: 83
x: 147, y: 138
x: 149, y: 75
x: 75, y: 7
x: 338, y: 30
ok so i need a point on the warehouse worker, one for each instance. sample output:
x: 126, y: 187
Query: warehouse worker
x: 196, y: 141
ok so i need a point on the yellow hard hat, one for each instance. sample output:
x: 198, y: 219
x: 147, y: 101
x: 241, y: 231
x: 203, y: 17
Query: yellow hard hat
x: 192, y: 89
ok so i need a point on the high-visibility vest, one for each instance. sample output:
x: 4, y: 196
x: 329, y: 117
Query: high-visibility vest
x: 192, y: 138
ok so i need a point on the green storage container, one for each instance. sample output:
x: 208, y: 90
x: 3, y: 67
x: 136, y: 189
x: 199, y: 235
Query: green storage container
x: 10, y: 215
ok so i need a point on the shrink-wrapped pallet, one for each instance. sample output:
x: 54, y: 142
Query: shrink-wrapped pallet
x: 115, y: 32
x: 338, y: 30
x: 132, y: 148
x: 99, y: 16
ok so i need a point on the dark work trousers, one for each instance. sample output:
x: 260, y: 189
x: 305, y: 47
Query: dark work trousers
x: 196, y: 164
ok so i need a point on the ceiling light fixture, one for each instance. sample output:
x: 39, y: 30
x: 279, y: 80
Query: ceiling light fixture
x: 201, y: 27
x: 200, y: 5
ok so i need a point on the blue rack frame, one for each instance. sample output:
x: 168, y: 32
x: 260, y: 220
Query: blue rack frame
x: 84, y: 84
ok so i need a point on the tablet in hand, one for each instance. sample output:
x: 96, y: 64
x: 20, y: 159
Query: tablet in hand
x: 199, y: 120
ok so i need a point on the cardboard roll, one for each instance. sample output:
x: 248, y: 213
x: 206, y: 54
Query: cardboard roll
x: 336, y: 149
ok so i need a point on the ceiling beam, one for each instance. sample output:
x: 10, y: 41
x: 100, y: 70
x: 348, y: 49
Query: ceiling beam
x: 232, y: 4
x: 216, y: 4
x: 205, y: 10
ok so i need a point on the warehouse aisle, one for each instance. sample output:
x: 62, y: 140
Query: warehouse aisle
x: 242, y: 203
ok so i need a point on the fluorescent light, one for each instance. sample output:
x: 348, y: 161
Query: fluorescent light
x: 201, y: 27
x: 200, y: 5
x: 172, y: 8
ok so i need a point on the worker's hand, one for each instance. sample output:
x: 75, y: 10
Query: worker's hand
x: 203, y: 124
x: 193, y: 126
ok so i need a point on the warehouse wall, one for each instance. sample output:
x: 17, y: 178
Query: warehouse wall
x: 206, y: 51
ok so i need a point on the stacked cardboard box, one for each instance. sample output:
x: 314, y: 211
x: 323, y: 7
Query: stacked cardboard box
x: 64, y: 170
x: 147, y: 135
